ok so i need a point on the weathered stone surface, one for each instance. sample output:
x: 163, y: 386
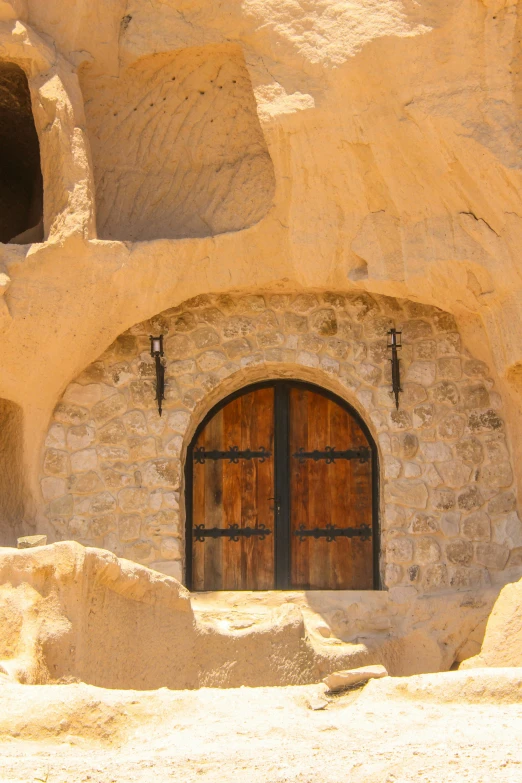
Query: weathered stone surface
x: 477, y: 527
x: 28, y: 542
x: 399, y: 550
x: 56, y: 462
x: 498, y: 475
x: 492, y: 555
x: 343, y: 679
x: 470, y: 499
x: 470, y: 450
x: 408, y: 493
x: 454, y: 473
x: 427, y: 550
x: 459, y: 552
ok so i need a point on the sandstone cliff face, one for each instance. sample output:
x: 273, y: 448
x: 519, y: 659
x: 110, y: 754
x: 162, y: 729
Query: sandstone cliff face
x: 362, y: 146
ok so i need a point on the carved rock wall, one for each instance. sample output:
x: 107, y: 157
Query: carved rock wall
x: 112, y: 468
x: 177, y: 146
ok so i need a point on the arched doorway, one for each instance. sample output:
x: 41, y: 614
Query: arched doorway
x: 282, y: 493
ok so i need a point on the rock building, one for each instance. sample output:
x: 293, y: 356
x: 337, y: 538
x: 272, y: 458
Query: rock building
x: 271, y: 189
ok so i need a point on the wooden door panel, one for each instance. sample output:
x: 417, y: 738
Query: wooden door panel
x: 237, y: 491
x: 323, y: 492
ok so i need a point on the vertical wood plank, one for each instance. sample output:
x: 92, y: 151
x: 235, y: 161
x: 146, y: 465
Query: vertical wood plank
x: 232, y: 493
x: 214, y: 506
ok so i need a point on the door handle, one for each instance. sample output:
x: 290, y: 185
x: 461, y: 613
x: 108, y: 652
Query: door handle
x: 277, y: 505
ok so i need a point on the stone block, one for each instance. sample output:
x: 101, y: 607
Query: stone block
x: 133, y: 499
x: 102, y: 503
x: 492, y: 555
x: 66, y: 413
x: 112, y: 433
x: 413, y: 494
x: 450, y: 524
x: 53, y: 487
x: 413, y: 394
x: 445, y: 391
x: 56, y: 436
x: 484, y: 421
x: 164, y: 522
x: 83, y: 395
x: 416, y: 329
x: 425, y: 350
x: 497, y: 475
x: 348, y: 677
x: 477, y: 527
x: 424, y: 523
x: 110, y: 407
x: 392, y: 467
x: 56, y: 462
x: 454, y: 473
x: 470, y: 499
x: 399, y: 550
x: 461, y: 577
x: 80, y: 437
x: 435, y: 452
x: 435, y: 576
x: 502, y: 503
x: 295, y: 323
x: 423, y: 416
x: 86, y: 483
x: 449, y: 368
x: 112, y: 453
x: 28, y: 542
x: 424, y: 373
x: 460, y: 552
x: 427, y: 550
x: 392, y: 574
x: 62, y: 506
x: 470, y: 450
x: 83, y: 461
x: 170, y: 548
x: 102, y: 525
x: 448, y: 344
x: 452, y: 427
x: 442, y: 499
x: 400, y: 420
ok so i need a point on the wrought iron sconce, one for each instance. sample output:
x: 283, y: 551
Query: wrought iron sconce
x: 156, y: 351
x: 394, y: 343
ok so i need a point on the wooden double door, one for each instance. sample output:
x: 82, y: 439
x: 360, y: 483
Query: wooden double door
x: 281, y: 484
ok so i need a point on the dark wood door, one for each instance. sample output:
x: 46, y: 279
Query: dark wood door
x: 330, y: 496
x: 280, y: 489
x: 233, y: 506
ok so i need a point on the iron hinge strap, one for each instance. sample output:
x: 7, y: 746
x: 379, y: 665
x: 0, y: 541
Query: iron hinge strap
x: 329, y: 454
x: 331, y: 533
x: 233, y: 532
x: 234, y: 454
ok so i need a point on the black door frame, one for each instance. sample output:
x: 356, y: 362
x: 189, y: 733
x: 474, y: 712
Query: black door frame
x: 282, y: 485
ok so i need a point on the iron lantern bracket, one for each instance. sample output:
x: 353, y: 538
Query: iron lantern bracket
x: 156, y: 351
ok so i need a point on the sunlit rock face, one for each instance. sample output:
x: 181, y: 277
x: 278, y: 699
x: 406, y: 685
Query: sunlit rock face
x: 259, y: 149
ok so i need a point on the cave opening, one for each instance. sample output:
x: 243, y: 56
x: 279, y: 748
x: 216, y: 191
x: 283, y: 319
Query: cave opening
x: 21, y: 184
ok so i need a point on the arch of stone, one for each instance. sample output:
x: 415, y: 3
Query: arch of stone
x: 112, y: 469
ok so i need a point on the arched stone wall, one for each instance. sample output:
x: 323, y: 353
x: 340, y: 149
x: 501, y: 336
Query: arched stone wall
x: 112, y: 468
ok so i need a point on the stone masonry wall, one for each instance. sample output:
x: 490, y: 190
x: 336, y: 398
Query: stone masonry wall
x: 112, y: 468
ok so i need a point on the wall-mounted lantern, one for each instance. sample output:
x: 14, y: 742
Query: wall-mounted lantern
x: 156, y: 350
x: 394, y: 343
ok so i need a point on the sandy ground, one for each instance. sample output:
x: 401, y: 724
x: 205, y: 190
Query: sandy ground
x: 452, y: 728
